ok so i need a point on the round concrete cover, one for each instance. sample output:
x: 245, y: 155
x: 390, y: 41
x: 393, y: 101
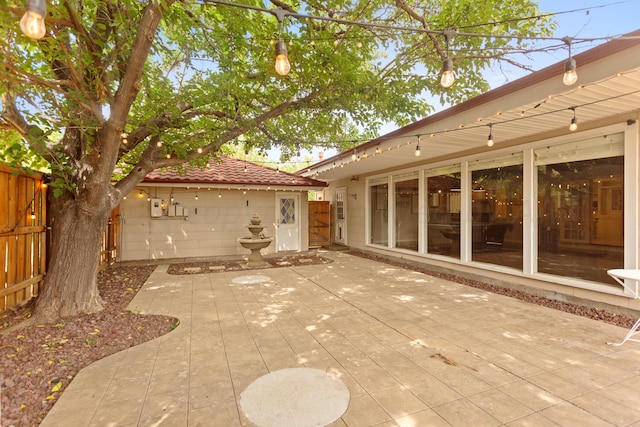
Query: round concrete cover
x: 298, y: 397
x: 251, y: 280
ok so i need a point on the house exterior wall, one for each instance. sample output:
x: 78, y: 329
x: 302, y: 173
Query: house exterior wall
x: 211, y: 228
x: 549, y: 285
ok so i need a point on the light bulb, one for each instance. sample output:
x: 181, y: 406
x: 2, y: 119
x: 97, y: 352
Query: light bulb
x: 574, y: 124
x: 353, y: 156
x: 282, y: 61
x: 32, y: 22
x: 570, y: 75
x: 447, y: 78
x: 417, y: 152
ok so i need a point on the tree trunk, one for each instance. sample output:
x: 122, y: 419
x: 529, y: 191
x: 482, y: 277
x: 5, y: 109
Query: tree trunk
x: 71, y: 286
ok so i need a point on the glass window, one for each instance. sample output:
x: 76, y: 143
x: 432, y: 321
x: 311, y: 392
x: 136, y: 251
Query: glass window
x: 378, y: 210
x: 443, y: 204
x: 580, y: 209
x: 496, y: 215
x: 406, y: 213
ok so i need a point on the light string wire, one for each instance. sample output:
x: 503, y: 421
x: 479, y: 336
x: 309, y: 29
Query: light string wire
x: 443, y: 32
x: 40, y: 185
x: 345, y: 154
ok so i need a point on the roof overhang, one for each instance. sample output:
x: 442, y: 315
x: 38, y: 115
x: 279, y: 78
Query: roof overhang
x: 248, y: 187
x: 532, y: 108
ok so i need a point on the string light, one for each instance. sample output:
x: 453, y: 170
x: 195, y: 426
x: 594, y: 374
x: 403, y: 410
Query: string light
x: 417, y: 152
x: 570, y: 75
x: 447, y: 78
x: 282, y: 65
x: 32, y: 22
x: 574, y: 121
x: 490, y: 139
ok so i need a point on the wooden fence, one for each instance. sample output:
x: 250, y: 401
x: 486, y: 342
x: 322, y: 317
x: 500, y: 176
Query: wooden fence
x: 23, y: 232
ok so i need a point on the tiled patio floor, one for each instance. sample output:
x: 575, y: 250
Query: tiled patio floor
x: 413, y: 350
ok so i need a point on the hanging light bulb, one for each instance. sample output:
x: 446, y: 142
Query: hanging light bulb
x: 283, y: 66
x: 32, y: 22
x: 199, y: 150
x: 278, y: 168
x: 574, y: 121
x: 159, y: 143
x: 353, y: 155
x: 219, y: 195
x: 490, y: 139
x: 417, y: 152
x: 196, y: 195
x: 570, y: 75
x: 447, y: 78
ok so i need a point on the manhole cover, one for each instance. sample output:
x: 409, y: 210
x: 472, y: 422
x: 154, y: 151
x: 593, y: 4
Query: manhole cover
x: 298, y: 397
x: 250, y: 280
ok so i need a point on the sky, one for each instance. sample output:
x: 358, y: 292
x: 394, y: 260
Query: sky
x: 583, y: 18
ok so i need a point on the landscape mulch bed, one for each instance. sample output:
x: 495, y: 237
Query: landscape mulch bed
x: 217, y: 266
x: 40, y: 360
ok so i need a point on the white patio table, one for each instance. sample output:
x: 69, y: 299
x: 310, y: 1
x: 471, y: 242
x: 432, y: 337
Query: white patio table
x: 629, y: 279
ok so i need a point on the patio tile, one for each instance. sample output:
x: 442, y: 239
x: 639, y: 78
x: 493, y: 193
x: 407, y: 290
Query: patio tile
x: 125, y: 412
x: 572, y: 415
x: 416, y: 350
x: 364, y: 411
x: 223, y: 414
x: 463, y: 412
x: 501, y: 406
x: 427, y: 417
x: 607, y: 409
x: 530, y: 395
x: 159, y: 405
x: 398, y: 401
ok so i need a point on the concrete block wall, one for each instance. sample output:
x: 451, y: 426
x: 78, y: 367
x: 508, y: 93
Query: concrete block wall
x: 212, y: 227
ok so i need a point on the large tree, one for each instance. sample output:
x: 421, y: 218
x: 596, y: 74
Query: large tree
x: 118, y: 88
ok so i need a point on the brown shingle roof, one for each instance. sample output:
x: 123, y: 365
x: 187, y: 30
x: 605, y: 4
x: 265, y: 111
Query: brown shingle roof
x: 231, y: 171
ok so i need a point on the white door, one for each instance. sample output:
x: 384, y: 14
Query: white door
x: 341, y: 217
x: 288, y: 222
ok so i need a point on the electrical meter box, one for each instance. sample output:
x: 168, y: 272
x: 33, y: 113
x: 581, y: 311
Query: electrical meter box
x: 156, y: 207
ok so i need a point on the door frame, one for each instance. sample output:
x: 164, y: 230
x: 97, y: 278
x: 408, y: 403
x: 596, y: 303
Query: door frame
x: 298, y: 220
x: 342, y: 241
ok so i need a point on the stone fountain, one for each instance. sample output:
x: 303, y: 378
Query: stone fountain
x: 255, y: 242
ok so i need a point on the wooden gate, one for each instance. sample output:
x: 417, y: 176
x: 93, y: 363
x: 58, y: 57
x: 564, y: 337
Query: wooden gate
x: 319, y: 223
x: 22, y: 236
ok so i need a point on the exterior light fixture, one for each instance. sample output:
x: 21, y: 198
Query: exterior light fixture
x: 199, y: 150
x: 196, y: 195
x: 283, y: 66
x: 574, y: 121
x: 570, y: 75
x: 32, y: 22
x: 353, y: 155
x: 159, y: 143
x: 417, y: 152
x: 490, y: 138
x: 447, y: 78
